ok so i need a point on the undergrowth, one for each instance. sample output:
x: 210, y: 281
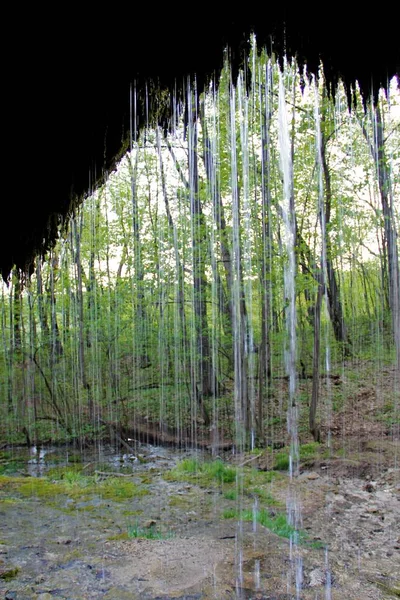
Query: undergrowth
x: 74, y: 484
x: 204, y: 473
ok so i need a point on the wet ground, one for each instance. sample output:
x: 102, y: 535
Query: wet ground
x: 74, y: 545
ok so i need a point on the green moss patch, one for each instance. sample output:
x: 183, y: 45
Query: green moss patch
x: 203, y: 473
x: 8, y: 574
x: 73, y: 484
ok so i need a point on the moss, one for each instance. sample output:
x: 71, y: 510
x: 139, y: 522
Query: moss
x: 119, y: 489
x: 8, y: 574
x: 119, y: 536
x: 88, y: 508
x: 73, y: 555
x: 8, y: 501
x: 8, y: 483
x: 131, y: 513
x: 180, y: 501
x: 73, y: 484
x: 38, y: 486
x: 146, y: 480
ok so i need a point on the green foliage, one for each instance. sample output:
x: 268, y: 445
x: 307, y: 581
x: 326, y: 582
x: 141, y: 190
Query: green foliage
x: 148, y: 533
x: 281, y: 461
x: 389, y: 414
x: 202, y: 472
x: 230, y: 513
x: 219, y: 471
x: 264, y: 496
x: 135, y: 301
x: 306, y: 451
x: 230, y: 495
x: 11, y: 466
x: 309, y: 450
x: 275, y: 523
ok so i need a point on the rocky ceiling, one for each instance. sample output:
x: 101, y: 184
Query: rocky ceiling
x: 66, y: 89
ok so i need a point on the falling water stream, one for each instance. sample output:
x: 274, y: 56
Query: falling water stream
x: 231, y: 275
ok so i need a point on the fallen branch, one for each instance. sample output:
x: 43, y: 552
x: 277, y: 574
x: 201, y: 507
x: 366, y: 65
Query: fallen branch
x: 110, y: 474
x: 249, y: 460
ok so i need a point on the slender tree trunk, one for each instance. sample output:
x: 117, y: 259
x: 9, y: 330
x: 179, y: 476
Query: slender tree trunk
x: 264, y: 357
x: 180, y: 298
x: 334, y: 305
x: 44, y: 330
x: 77, y: 230
x: 314, y: 427
x: 219, y: 218
x: 140, y: 313
x: 57, y: 348
x: 199, y: 251
x: 391, y: 235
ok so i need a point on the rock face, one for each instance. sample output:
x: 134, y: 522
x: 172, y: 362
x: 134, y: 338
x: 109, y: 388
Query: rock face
x: 67, y: 99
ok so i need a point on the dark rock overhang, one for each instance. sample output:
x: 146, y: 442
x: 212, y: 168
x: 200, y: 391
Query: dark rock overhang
x: 67, y: 94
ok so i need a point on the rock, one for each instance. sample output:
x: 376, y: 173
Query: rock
x: 150, y: 523
x: 10, y: 596
x: 370, y: 486
x: 63, y: 540
x: 45, y: 596
x: 317, y: 577
x: 311, y: 476
x: 40, y: 578
x: 50, y: 556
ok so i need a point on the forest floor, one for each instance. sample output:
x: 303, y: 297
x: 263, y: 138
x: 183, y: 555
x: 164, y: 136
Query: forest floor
x: 104, y: 526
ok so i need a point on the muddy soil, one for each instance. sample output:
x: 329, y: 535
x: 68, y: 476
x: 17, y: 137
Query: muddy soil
x: 76, y: 550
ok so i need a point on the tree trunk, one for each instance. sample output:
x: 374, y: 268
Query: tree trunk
x: 334, y: 305
x: 314, y: 427
x: 264, y: 358
x: 77, y: 231
x: 180, y: 297
x: 389, y: 225
x: 140, y: 313
x: 199, y: 252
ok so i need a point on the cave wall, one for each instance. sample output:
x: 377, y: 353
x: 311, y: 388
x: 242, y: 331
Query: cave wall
x: 67, y: 83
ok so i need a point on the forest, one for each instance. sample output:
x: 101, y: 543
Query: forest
x: 241, y: 263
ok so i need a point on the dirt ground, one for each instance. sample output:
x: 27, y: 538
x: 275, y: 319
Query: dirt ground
x: 348, y: 504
